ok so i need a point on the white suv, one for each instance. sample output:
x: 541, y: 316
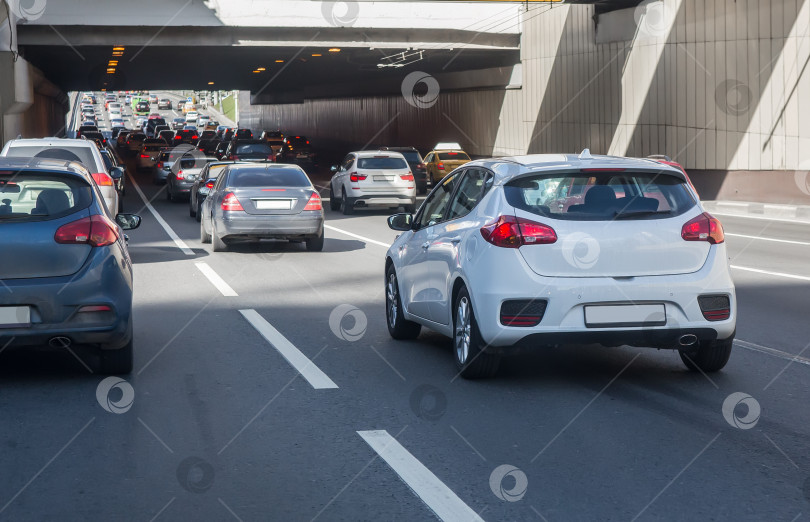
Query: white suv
x: 191, y: 117
x: 532, y: 251
x: 81, y: 150
x: 372, y: 179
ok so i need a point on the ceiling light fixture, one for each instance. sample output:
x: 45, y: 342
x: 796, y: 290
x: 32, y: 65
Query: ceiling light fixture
x: 317, y: 54
x: 261, y: 69
x: 334, y: 50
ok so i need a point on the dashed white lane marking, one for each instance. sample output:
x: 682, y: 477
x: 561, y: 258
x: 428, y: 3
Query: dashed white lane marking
x: 768, y: 272
x: 362, y: 238
x: 427, y: 486
x: 216, y: 280
x: 788, y: 241
x: 298, y: 360
x: 177, y: 241
x: 772, y: 351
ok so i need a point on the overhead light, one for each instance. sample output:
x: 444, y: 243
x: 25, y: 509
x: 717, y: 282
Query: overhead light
x: 279, y: 61
x: 111, y: 70
x: 256, y: 71
x: 317, y: 54
x: 261, y: 69
x: 210, y: 83
x: 118, y: 48
x: 334, y: 50
x: 113, y: 63
x: 119, y: 53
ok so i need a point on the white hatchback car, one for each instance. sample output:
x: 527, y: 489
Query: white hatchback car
x: 372, y: 179
x: 524, y: 252
x: 84, y: 151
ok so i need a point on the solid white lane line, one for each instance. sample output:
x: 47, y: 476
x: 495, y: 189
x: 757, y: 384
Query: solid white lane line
x: 788, y: 241
x: 768, y: 272
x: 362, y: 238
x: 297, y: 360
x: 772, y: 351
x: 177, y: 241
x: 761, y: 218
x: 427, y: 486
x: 217, y: 281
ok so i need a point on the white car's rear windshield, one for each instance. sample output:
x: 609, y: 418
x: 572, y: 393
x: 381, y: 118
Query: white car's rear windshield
x: 40, y: 197
x: 83, y: 155
x: 601, y: 195
x: 381, y: 163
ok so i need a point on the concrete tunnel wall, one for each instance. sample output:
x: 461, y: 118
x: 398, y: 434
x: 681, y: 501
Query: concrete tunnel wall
x: 721, y: 86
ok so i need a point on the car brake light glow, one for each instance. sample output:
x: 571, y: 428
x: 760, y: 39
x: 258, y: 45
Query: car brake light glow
x: 95, y: 231
x: 440, y: 166
x: 231, y: 204
x: 704, y: 227
x: 407, y: 177
x: 314, y: 202
x: 355, y: 177
x: 144, y: 155
x: 180, y: 174
x: 103, y: 179
x: 420, y: 165
x: 209, y: 185
x: 514, y: 232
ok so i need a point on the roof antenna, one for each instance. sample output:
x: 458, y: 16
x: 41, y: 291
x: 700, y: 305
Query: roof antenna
x: 586, y: 155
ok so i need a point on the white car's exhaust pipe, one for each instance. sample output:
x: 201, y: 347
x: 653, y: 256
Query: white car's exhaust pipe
x: 687, y: 340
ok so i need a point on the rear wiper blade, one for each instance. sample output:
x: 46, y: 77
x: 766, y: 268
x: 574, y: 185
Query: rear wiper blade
x: 639, y: 213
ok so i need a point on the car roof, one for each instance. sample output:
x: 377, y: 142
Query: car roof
x: 506, y: 168
x: 373, y: 153
x: 64, y: 166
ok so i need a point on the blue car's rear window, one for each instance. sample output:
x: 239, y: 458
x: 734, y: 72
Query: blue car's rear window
x: 26, y: 196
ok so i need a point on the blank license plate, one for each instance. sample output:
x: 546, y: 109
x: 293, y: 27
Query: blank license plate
x: 625, y: 315
x: 14, y: 316
x: 273, y: 204
x: 383, y: 178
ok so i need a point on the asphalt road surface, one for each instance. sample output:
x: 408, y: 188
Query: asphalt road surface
x: 266, y: 387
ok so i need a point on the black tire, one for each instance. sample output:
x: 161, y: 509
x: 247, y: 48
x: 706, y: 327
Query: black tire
x: 169, y: 192
x: 398, y: 326
x: 198, y: 213
x: 315, y: 244
x: 118, y: 361
x: 120, y: 203
x: 217, y: 243
x: 710, y: 356
x: 334, y: 202
x: 205, y: 237
x: 191, y: 211
x: 471, y: 360
x: 348, y: 207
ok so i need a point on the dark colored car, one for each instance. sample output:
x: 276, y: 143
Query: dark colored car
x: 208, y: 135
x: 185, y: 136
x: 243, y: 134
x: 273, y: 138
x: 416, y: 164
x: 297, y: 149
x: 98, y: 137
x: 222, y: 146
x: 207, y: 147
x: 64, y: 262
x: 180, y: 178
x: 164, y: 103
x: 142, y: 107
x: 203, y: 185
x: 228, y: 135
x: 152, y: 124
x: 167, y: 135
x: 249, y: 150
x: 254, y: 201
x: 86, y: 128
x: 178, y: 123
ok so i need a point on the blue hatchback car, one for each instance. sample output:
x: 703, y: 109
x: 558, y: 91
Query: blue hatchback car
x: 65, y: 271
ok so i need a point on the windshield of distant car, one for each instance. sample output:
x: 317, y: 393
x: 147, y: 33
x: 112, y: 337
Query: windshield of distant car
x: 253, y: 148
x: 600, y: 195
x: 245, y: 177
x: 411, y: 156
x: 381, y: 163
x: 450, y: 156
x: 41, y: 196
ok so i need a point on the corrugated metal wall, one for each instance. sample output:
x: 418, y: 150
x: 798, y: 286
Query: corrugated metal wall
x: 721, y: 86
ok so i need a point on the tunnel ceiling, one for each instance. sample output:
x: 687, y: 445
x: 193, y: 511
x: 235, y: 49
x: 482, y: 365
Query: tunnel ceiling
x: 605, y: 6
